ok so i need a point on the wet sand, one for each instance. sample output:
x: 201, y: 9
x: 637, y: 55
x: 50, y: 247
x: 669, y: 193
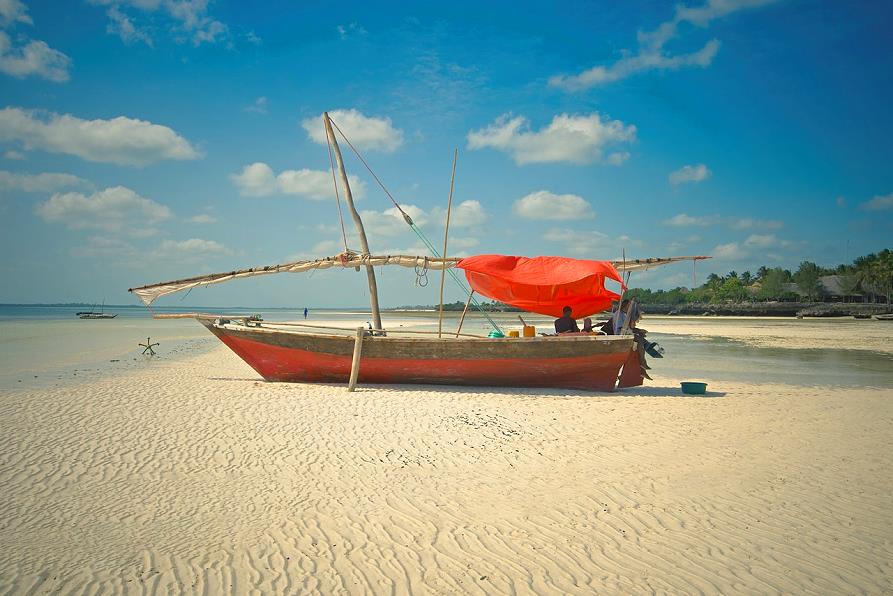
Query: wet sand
x: 193, y: 475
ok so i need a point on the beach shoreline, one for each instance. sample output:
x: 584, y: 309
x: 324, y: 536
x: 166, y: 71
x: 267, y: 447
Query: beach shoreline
x: 195, y: 475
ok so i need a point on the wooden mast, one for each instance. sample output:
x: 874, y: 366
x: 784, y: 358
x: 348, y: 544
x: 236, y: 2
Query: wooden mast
x: 446, y: 233
x: 364, y: 244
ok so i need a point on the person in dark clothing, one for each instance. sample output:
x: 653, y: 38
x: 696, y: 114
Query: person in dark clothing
x: 566, y: 324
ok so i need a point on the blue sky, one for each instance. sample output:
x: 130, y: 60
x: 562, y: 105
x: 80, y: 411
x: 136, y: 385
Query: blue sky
x: 145, y: 140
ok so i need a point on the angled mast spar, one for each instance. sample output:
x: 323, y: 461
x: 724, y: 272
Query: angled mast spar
x: 361, y: 232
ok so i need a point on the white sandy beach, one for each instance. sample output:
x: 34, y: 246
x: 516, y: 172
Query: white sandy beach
x: 196, y: 476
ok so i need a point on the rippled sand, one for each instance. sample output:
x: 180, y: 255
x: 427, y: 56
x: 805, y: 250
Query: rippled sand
x: 195, y: 476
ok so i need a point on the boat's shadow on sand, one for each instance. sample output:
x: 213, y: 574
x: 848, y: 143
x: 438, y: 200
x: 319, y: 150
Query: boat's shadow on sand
x: 648, y: 391
x: 642, y: 391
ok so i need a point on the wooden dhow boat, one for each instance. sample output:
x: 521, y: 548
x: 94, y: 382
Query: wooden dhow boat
x: 300, y: 352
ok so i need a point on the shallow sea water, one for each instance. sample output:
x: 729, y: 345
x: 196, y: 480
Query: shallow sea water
x: 41, y: 345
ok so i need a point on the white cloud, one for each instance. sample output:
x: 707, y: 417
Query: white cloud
x: 673, y: 247
x: 210, y: 33
x: 696, y: 173
x: 45, y: 182
x: 255, y: 180
x: 190, y: 18
x: 203, y: 218
x: 13, y: 11
x: 259, y: 180
x: 462, y: 243
x: 110, y: 209
x: 547, y: 205
x: 627, y: 66
x: 677, y: 245
x: 193, y: 247
x: 591, y: 243
x: 121, y: 25
x: 466, y: 214
x: 316, y: 184
x: 12, y: 154
x: 327, y: 247
x: 761, y: 240
x: 683, y: 219
x: 746, y: 223
x: 878, y: 203
x: 736, y: 223
x: 617, y: 159
x: 731, y: 251
x: 253, y: 38
x: 651, y: 53
x: 383, y: 227
x: 259, y: 106
x: 345, y: 31
x: 570, y: 138
x: 120, y: 140
x: 104, y: 246
x: 390, y: 222
x: 365, y: 132
x: 34, y: 58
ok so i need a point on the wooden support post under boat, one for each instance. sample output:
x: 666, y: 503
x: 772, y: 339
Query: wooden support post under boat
x: 355, y: 364
x: 364, y: 244
x: 464, y: 312
x: 446, y: 232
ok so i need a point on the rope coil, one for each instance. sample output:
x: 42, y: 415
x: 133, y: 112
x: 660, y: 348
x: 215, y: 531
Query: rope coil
x: 421, y: 274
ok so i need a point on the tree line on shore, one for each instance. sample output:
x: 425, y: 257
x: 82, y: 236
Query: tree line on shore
x: 868, y: 278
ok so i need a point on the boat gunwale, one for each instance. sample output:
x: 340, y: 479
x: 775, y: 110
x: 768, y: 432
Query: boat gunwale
x: 385, y: 338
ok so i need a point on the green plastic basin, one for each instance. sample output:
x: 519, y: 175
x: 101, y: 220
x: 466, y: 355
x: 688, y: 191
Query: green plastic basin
x: 694, y: 388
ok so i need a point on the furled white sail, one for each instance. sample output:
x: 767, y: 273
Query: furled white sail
x: 149, y: 293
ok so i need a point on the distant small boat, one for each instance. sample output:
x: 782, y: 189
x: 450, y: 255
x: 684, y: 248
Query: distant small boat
x: 862, y: 316
x: 92, y: 314
x: 884, y: 317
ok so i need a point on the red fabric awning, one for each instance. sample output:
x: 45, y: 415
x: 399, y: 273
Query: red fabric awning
x: 543, y: 285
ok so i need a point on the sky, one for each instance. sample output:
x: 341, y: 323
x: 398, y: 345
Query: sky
x: 148, y: 140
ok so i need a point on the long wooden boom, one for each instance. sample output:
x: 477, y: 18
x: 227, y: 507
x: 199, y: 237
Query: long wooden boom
x: 149, y: 293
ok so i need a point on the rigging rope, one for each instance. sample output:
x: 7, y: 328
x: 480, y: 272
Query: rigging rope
x: 421, y: 274
x: 380, y: 183
x: 337, y: 196
x: 414, y: 227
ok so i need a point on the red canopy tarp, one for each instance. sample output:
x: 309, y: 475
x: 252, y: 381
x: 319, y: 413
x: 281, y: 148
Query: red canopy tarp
x: 543, y: 285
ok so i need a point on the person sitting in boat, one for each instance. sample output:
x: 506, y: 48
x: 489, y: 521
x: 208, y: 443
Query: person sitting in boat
x: 627, y: 309
x: 587, y: 325
x: 566, y: 324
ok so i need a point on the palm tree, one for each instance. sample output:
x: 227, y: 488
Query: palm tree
x: 807, y: 279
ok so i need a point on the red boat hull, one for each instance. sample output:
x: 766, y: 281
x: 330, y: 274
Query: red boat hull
x: 582, y: 362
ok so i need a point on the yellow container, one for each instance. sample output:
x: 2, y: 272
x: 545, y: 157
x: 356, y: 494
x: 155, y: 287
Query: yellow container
x: 529, y: 331
x: 514, y: 334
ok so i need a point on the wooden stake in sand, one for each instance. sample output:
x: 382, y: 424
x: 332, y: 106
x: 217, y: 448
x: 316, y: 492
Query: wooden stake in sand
x: 355, y: 365
x: 464, y: 312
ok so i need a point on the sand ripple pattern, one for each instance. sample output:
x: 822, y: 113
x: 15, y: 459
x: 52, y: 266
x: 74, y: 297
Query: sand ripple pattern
x: 197, y: 477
